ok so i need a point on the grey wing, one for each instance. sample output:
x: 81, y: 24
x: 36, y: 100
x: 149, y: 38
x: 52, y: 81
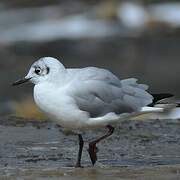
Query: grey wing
x: 101, y: 92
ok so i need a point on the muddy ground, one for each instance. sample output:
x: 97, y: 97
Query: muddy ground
x: 138, y: 150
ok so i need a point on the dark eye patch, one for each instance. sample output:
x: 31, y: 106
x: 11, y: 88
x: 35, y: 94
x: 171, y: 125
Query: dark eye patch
x: 47, y: 70
x: 37, y: 70
x: 42, y: 71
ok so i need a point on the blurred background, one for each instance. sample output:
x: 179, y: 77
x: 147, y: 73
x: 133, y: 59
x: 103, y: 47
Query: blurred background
x: 138, y: 38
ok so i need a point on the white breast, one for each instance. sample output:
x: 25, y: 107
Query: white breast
x: 60, y: 107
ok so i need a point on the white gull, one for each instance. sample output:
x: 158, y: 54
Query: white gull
x: 86, y: 98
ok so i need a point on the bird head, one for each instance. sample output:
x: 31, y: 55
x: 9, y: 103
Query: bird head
x: 43, y: 70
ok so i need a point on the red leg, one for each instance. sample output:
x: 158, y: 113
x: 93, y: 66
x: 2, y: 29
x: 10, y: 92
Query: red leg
x: 92, y: 145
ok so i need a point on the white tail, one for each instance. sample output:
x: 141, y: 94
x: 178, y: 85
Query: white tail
x: 112, y: 118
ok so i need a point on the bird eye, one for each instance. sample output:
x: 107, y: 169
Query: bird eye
x: 38, y: 71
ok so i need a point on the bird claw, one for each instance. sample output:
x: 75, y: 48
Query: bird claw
x: 93, y: 153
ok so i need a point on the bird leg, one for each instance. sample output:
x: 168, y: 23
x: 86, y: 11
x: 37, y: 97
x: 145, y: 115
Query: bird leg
x: 92, y: 145
x: 81, y: 144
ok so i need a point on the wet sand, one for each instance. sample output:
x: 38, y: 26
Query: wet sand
x: 115, y: 173
x: 137, y: 150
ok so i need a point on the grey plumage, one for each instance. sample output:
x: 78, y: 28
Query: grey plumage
x: 100, y: 92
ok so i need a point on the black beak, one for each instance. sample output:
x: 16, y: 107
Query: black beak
x: 21, y: 81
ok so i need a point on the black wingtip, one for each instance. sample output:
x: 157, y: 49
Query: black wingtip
x: 160, y: 96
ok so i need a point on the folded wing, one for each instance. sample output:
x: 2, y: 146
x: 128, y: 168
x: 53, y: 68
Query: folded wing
x: 98, y: 92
